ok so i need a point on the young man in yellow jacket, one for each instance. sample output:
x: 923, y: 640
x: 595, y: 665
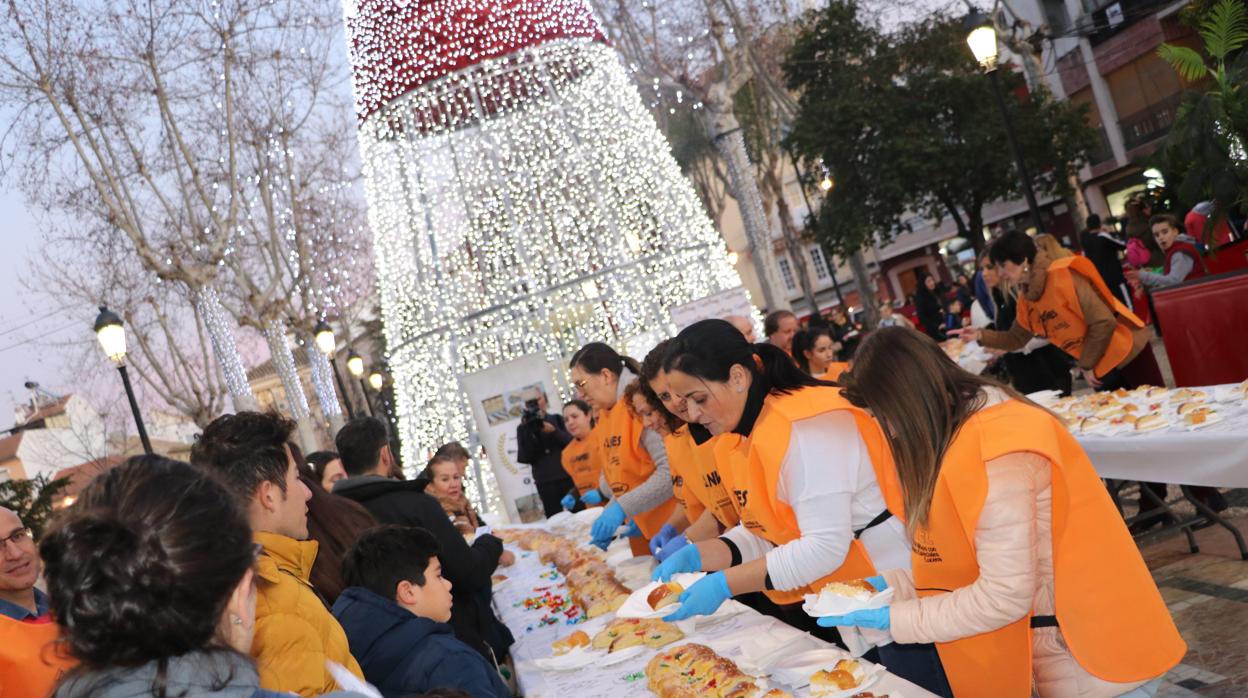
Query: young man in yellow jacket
x: 295, y: 633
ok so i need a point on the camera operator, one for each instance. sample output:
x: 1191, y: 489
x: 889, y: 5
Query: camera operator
x: 540, y: 439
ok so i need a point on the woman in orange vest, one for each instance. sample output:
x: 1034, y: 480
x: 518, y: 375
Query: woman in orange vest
x: 1022, y: 569
x: 1067, y: 302
x: 578, y: 456
x: 805, y: 473
x: 635, y: 471
x: 705, y: 504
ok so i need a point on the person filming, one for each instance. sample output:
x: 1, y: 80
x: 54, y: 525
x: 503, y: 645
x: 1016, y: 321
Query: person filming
x: 540, y: 440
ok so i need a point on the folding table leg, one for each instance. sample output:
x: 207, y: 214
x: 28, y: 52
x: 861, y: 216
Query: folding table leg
x: 1213, y: 516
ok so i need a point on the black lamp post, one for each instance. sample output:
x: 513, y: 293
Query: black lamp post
x: 982, y: 38
x: 326, y: 343
x: 355, y: 365
x: 112, y: 335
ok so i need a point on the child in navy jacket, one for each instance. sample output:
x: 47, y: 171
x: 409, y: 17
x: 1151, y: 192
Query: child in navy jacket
x: 395, y: 612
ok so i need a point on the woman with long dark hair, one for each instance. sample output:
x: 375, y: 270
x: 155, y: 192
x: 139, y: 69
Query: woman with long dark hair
x: 635, y: 472
x: 1022, y: 570
x: 814, y: 351
x: 705, y: 507
x: 805, y: 473
x: 150, y: 577
x: 930, y: 307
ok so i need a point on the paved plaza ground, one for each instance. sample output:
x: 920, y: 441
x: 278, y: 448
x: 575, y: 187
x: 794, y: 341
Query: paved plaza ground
x: 1208, y: 594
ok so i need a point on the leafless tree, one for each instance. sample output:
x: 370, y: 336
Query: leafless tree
x: 142, y: 120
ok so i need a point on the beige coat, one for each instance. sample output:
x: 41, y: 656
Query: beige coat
x: 1014, y: 548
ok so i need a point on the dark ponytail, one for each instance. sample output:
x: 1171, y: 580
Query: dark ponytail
x: 596, y: 356
x: 710, y: 348
x: 141, y: 568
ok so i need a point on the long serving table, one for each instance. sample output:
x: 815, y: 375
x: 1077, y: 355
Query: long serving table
x: 1213, y: 456
x: 524, y: 603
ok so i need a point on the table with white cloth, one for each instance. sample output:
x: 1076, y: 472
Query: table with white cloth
x: 1215, y: 455
x: 518, y: 604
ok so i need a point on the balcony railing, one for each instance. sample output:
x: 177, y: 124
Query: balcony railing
x: 1116, y: 15
x: 1150, y: 123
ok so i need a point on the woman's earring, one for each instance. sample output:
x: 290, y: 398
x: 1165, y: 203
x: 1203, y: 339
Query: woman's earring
x: 236, y: 620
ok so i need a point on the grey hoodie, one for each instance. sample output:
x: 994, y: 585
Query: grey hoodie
x: 221, y: 674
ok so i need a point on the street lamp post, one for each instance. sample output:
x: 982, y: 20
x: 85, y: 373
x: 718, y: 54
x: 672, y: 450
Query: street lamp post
x: 982, y: 40
x: 326, y: 343
x: 355, y: 365
x: 112, y: 335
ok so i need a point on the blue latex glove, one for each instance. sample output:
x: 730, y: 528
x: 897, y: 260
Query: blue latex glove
x: 606, y: 524
x: 661, y: 538
x: 670, y: 548
x: 568, y: 502
x: 877, y: 618
x: 878, y: 582
x: 703, y: 598
x: 687, y: 559
x: 632, y: 531
x: 592, y: 497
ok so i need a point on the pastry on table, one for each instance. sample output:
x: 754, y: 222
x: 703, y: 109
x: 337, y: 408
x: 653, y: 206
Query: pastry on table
x: 623, y: 633
x: 1108, y: 411
x: 847, y: 674
x: 1154, y: 391
x: 1150, y: 422
x: 665, y: 595
x: 1186, y: 394
x: 498, y: 578
x: 695, y: 670
x: 852, y: 588
x: 1199, y: 416
x: 1191, y: 406
x: 1087, y: 425
x: 569, y: 643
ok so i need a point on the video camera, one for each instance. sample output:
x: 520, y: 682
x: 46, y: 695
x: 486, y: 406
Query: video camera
x: 532, y: 414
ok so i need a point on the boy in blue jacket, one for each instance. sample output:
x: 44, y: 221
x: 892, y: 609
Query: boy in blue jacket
x: 395, y: 612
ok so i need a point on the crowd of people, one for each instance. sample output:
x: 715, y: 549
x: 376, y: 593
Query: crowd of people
x: 824, y: 453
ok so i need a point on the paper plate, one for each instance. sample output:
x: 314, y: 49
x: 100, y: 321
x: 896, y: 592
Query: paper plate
x: 795, y: 669
x: 582, y: 657
x: 637, y: 605
x: 820, y: 605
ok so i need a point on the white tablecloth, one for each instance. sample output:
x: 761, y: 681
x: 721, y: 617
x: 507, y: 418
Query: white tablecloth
x: 529, y: 578
x: 1216, y: 455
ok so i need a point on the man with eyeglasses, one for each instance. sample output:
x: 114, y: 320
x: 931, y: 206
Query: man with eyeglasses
x: 28, y: 666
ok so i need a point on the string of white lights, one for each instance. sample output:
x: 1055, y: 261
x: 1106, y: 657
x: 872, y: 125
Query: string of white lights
x: 524, y: 203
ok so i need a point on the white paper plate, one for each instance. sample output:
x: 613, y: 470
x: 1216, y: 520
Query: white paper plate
x: 582, y: 657
x: 820, y: 605
x: 795, y: 669
x: 1045, y: 397
x: 637, y: 605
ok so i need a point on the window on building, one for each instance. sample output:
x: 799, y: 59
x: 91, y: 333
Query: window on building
x: 1056, y: 15
x: 786, y: 273
x: 819, y: 262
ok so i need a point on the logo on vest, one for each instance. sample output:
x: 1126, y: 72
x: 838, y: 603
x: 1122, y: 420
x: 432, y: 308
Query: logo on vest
x: 678, y: 481
x: 711, y: 479
x: 927, y: 552
x: 612, y: 441
x: 742, y: 496
x: 619, y: 487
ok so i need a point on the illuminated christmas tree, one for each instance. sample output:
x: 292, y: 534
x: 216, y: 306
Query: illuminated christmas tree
x: 521, y: 197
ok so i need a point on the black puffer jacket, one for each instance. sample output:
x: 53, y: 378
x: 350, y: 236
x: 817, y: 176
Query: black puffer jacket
x: 469, y: 568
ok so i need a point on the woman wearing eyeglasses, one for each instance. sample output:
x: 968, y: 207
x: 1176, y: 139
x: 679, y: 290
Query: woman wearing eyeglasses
x: 635, y: 473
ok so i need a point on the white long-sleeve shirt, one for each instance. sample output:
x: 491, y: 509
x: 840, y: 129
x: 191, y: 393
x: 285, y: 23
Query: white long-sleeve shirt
x: 829, y: 482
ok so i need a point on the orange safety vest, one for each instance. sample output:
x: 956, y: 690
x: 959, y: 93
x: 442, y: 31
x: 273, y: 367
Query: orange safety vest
x: 1109, y: 610
x: 754, y: 474
x: 679, y: 446
x: 1057, y: 316
x: 30, y: 662
x: 835, y: 369
x: 579, y: 462
x: 626, y: 464
x: 701, y: 483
